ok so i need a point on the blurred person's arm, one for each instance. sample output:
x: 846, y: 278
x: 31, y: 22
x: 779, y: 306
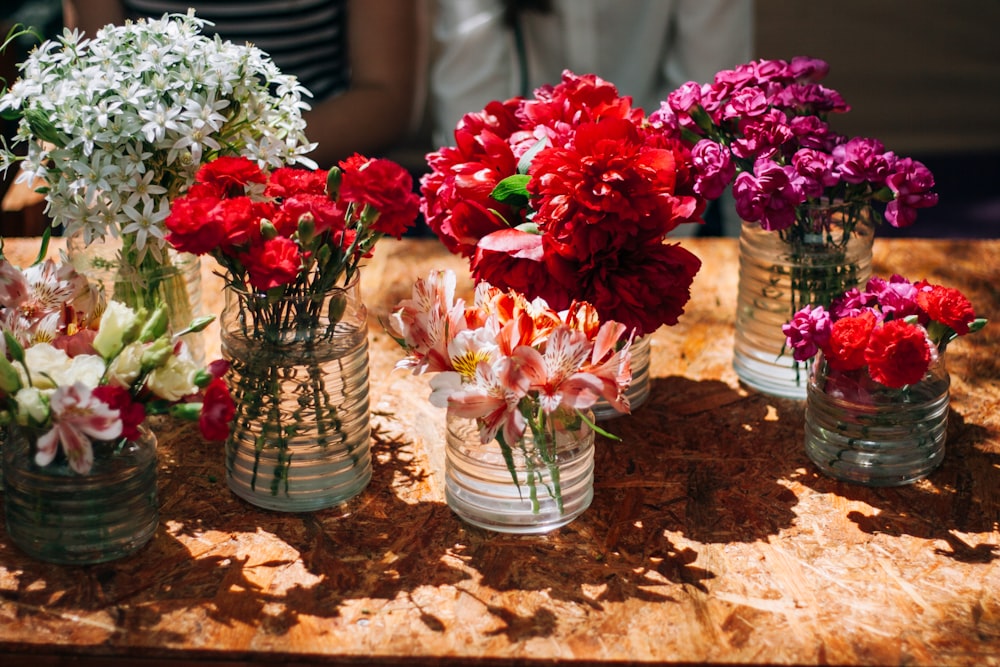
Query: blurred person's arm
x: 375, y: 112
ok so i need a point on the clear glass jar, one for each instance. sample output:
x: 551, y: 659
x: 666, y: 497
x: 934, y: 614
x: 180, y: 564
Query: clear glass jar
x: 638, y: 390
x: 827, y: 252
x: 858, y: 430
x: 554, y: 476
x: 57, y: 515
x: 175, y: 282
x: 299, y: 376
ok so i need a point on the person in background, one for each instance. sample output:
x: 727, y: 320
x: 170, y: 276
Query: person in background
x: 359, y: 58
x: 497, y: 49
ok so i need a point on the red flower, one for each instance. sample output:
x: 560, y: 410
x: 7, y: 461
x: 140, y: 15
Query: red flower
x: 325, y: 212
x: 131, y: 413
x: 273, y: 263
x: 606, y: 189
x: 187, y: 228
x: 238, y: 219
x: 947, y: 306
x: 288, y: 181
x: 845, y: 351
x: 642, y: 288
x: 383, y: 185
x: 898, y: 353
x: 512, y: 259
x: 228, y: 174
x: 217, y: 411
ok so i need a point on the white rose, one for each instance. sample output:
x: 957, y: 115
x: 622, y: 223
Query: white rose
x: 48, y: 366
x: 30, y: 402
x: 174, y: 380
x: 116, y: 321
x: 125, y: 368
x: 85, y: 368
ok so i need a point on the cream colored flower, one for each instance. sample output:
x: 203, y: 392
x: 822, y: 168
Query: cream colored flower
x: 174, y: 380
x: 117, y: 320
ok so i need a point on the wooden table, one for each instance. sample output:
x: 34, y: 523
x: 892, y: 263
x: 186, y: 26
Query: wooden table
x: 711, y: 537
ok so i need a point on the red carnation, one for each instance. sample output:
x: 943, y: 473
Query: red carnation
x: 326, y: 213
x: 230, y: 174
x: 288, y: 181
x: 386, y: 187
x: 947, y: 306
x: 131, y: 413
x: 274, y: 263
x: 898, y: 353
x: 845, y: 351
x: 238, y: 219
x: 186, y: 228
x: 217, y: 411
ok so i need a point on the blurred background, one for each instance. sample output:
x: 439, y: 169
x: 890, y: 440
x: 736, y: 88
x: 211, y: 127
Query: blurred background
x: 922, y: 76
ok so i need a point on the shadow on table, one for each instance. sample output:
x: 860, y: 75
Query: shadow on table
x: 948, y: 502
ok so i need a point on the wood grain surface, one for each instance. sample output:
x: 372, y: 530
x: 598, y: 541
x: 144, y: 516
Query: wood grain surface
x: 711, y: 538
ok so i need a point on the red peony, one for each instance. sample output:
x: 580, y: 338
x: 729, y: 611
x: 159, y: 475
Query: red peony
x: 898, y: 353
x: 947, y: 306
x: 217, y: 411
x: 516, y: 260
x: 642, y: 288
x: 845, y: 351
x: 273, y: 263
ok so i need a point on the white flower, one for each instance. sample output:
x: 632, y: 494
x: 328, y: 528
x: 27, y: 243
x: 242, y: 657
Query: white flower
x: 116, y: 321
x: 48, y: 366
x: 125, y: 368
x: 31, y: 402
x: 174, y: 380
x: 130, y: 115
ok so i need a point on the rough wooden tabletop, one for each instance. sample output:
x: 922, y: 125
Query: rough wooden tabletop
x: 711, y: 537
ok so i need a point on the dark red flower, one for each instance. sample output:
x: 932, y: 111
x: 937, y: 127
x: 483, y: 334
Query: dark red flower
x: 898, y: 353
x: 845, y: 350
x: 643, y: 288
x: 217, y: 411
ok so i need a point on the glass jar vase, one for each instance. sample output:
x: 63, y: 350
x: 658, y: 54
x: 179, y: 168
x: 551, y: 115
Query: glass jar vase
x: 57, y: 515
x: 299, y: 376
x: 858, y: 430
x: 638, y: 390
x: 552, y: 481
x: 175, y: 281
x: 827, y: 251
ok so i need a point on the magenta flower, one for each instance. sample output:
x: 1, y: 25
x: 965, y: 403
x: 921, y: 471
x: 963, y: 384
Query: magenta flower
x: 807, y: 332
x: 77, y: 417
x: 911, y: 182
x: 897, y: 297
x: 714, y: 166
x: 762, y: 136
x: 767, y: 196
x: 862, y: 159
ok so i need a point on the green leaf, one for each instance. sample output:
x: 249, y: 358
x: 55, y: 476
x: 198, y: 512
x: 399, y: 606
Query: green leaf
x: 512, y: 191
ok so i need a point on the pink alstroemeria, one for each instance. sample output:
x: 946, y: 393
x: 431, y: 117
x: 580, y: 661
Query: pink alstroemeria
x: 77, y: 417
x: 492, y: 398
x: 555, y: 373
x: 613, y: 368
x: 428, y: 321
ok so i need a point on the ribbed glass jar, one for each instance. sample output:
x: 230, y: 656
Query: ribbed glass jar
x: 555, y: 476
x: 827, y: 252
x: 60, y: 516
x: 858, y: 430
x: 175, y: 282
x: 638, y: 391
x: 299, y: 376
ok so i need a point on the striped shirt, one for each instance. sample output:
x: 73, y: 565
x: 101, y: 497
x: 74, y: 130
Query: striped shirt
x: 307, y: 38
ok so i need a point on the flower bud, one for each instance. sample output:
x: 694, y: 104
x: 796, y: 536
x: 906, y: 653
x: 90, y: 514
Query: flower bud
x: 119, y: 325
x: 155, y: 326
x: 333, y: 179
x: 267, y: 230
x: 307, y: 228
x: 9, y: 380
x: 157, y: 354
x: 43, y: 128
x: 188, y: 411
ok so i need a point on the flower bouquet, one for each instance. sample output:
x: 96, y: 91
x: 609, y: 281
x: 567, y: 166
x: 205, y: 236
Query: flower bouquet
x: 521, y: 374
x: 877, y: 404
x: 294, y: 326
x: 116, y: 126
x: 810, y: 197
x: 568, y: 196
x: 78, y: 380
